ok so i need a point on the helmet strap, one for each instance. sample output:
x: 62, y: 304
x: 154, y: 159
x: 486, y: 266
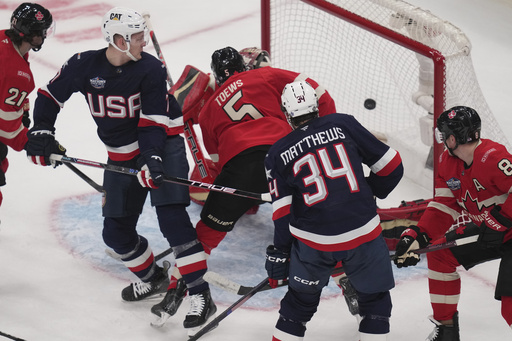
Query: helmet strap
x: 451, y: 150
x: 127, y: 51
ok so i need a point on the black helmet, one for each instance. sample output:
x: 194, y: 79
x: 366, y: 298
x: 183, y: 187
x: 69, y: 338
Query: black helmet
x: 225, y: 62
x: 461, y: 122
x: 31, y: 19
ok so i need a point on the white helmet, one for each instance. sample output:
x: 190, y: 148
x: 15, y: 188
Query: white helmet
x: 125, y: 22
x: 298, y: 99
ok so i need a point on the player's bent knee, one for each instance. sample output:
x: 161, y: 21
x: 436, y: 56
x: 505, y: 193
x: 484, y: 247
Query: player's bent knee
x: 209, y: 237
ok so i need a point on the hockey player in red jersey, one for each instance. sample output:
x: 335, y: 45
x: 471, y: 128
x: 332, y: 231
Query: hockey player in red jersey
x: 475, y: 179
x: 30, y: 25
x: 239, y: 123
x: 324, y: 212
x: 140, y: 126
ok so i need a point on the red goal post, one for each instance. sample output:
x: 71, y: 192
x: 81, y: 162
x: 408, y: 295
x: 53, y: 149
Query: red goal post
x: 413, y: 64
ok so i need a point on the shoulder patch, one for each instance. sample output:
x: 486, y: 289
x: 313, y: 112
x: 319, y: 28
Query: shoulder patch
x: 453, y: 184
x: 97, y: 82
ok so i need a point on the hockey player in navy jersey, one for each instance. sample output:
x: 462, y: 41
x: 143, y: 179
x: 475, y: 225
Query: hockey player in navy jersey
x: 140, y: 125
x: 324, y: 212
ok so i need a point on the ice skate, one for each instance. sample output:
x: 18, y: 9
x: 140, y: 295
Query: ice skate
x: 445, y: 333
x: 142, y: 290
x: 172, y: 300
x: 201, y: 310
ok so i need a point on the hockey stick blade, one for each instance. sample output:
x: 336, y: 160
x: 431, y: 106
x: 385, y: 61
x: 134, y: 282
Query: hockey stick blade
x: 264, y: 197
x: 231, y: 286
x: 215, y: 322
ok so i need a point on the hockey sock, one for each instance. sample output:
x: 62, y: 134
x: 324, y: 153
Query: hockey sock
x: 175, y: 276
x: 209, y: 237
x: 506, y: 309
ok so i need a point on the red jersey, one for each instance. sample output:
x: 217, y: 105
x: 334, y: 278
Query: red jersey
x: 16, y: 83
x: 246, y: 112
x: 475, y: 189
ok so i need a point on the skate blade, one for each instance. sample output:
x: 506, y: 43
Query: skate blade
x: 161, y: 321
x: 192, y: 331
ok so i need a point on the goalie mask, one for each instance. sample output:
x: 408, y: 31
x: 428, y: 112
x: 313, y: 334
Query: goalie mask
x: 225, y: 63
x: 461, y: 122
x: 28, y: 21
x: 299, y: 103
x: 255, y: 58
x: 124, y: 22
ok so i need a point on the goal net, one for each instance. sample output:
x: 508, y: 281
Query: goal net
x: 394, y: 66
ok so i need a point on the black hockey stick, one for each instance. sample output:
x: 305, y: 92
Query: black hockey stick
x: 233, y: 287
x: 229, y: 285
x: 215, y: 322
x: 87, y: 179
x: 445, y: 245
x: 265, y: 197
x: 11, y: 337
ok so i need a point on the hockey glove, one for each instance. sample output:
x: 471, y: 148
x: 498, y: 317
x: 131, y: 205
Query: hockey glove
x: 468, y: 230
x: 493, y: 229
x: 277, y: 266
x: 152, y: 173
x: 41, y: 144
x: 26, y: 119
x: 411, y: 239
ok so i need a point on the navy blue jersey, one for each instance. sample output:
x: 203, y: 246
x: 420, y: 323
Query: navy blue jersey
x: 320, y: 194
x: 129, y: 103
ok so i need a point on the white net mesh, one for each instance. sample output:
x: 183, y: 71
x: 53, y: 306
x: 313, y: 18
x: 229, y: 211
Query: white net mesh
x: 355, y: 64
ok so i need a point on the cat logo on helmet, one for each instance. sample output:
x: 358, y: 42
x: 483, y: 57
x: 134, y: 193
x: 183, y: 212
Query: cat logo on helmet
x: 124, y: 22
x: 115, y: 16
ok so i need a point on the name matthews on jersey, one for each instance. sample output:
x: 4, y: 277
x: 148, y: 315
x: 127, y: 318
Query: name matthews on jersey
x: 317, y: 139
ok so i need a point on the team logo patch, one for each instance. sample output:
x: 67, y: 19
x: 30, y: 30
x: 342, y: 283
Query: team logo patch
x: 39, y: 16
x: 98, y: 83
x: 453, y: 184
x: 451, y: 114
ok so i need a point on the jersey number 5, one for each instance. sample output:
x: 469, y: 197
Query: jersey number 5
x: 316, y: 176
x: 245, y: 109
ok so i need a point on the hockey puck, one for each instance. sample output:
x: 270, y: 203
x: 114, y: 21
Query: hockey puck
x: 370, y: 104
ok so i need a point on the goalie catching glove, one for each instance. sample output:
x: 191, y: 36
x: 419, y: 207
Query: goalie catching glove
x: 41, y: 144
x: 151, y: 174
x: 410, y: 240
x: 277, y: 266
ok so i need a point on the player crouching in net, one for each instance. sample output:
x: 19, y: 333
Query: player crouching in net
x: 474, y: 178
x: 324, y: 212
